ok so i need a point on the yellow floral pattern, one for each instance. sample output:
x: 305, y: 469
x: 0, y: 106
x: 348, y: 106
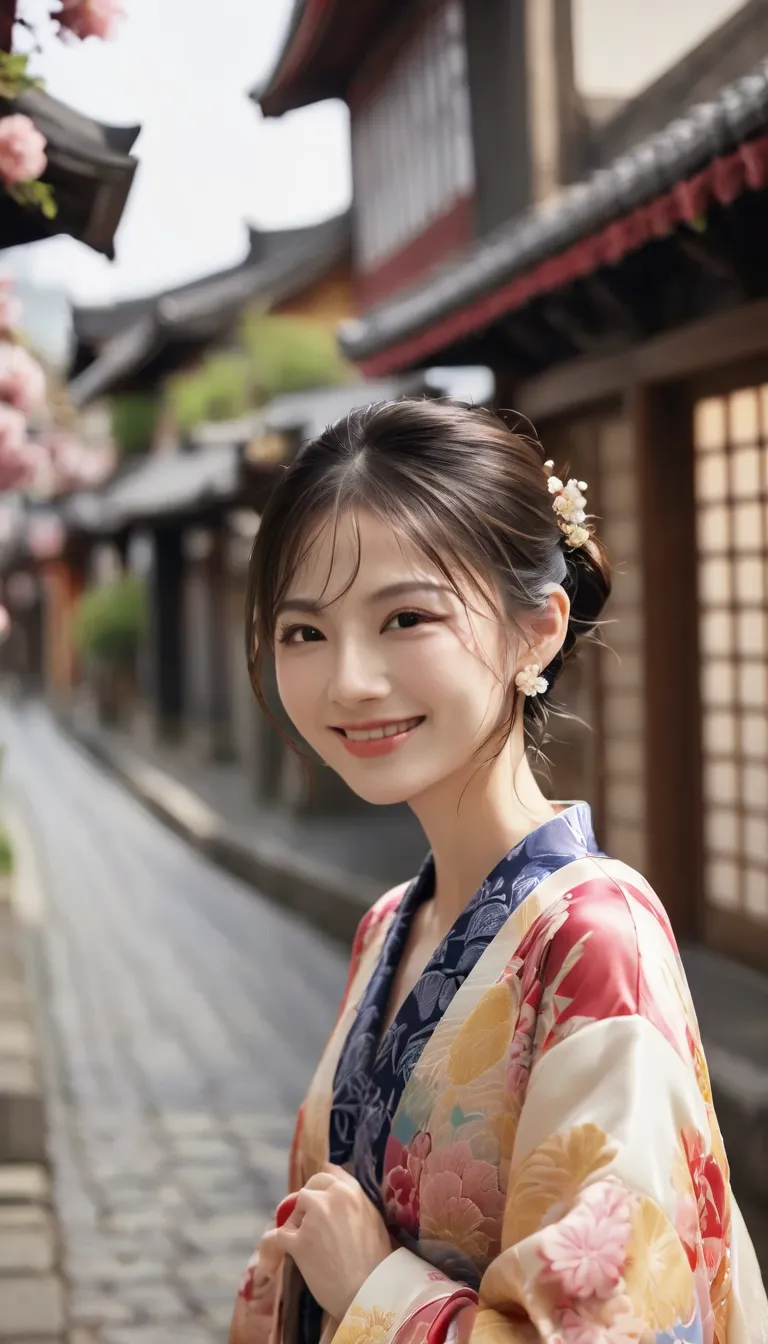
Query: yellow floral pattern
x: 548, y: 1181
x: 485, y: 1036
x: 659, y: 1280
x: 365, y: 1327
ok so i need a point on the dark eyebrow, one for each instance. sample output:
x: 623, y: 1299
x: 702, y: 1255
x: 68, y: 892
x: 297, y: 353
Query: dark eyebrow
x: 308, y: 604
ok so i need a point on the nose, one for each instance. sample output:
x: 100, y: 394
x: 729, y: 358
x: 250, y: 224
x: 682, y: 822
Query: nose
x: 357, y: 674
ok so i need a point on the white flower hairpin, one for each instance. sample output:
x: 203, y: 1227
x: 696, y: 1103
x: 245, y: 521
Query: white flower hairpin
x: 569, y: 504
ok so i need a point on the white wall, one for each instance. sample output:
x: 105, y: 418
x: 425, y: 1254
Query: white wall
x: 623, y: 45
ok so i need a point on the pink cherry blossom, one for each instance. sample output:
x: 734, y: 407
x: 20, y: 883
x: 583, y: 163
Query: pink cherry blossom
x: 13, y: 429
x: 16, y: 459
x: 22, y: 150
x: 75, y: 466
x: 22, y: 465
x: 10, y: 306
x: 22, y: 381
x: 89, y: 18
x: 45, y: 537
x: 587, y: 1249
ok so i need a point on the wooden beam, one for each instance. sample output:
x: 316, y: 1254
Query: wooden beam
x: 7, y: 20
x: 606, y: 295
x: 696, y: 348
x: 568, y: 325
x: 663, y: 424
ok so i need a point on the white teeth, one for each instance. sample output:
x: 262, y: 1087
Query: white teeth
x: 371, y: 734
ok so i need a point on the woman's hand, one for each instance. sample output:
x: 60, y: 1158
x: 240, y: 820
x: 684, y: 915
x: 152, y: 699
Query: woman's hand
x: 257, y: 1298
x: 335, y: 1236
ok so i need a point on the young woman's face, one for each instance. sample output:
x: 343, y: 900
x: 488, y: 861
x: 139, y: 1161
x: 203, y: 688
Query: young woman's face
x: 394, y: 683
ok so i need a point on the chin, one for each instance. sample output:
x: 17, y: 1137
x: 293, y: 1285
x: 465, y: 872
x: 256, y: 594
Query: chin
x: 379, y: 794
x: 383, y: 789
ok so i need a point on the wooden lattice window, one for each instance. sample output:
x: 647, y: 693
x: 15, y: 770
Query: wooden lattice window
x: 731, y: 448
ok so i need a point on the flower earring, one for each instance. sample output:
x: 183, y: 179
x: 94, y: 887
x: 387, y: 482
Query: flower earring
x: 529, y: 682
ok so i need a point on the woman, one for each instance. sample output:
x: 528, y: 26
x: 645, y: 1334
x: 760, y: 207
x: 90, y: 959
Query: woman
x: 510, y: 1136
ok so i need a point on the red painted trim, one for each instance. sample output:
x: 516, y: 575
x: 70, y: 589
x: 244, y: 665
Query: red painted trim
x: 450, y: 232
x: 723, y: 181
x: 300, y: 46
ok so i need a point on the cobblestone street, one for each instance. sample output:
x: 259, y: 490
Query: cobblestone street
x: 183, y: 1019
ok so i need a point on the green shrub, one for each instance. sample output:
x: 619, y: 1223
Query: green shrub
x: 134, y: 419
x: 277, y: 353
x: 218, y: 389
x: 292, y: 354
x: 110, y: 621
x: 6, y: 854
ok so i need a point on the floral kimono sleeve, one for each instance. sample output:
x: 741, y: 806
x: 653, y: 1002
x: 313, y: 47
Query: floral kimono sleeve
x: 618, y: 1216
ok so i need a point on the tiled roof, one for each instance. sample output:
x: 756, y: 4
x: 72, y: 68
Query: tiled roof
x: 157, y: 487
x: 197, y: 314
x: 90, y: 167
x: 714, y: 151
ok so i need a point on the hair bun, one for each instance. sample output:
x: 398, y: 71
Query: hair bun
x: 590, y: 586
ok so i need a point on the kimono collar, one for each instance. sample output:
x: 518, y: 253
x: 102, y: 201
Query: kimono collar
x: 567, y: 836
x: 373, y: 1069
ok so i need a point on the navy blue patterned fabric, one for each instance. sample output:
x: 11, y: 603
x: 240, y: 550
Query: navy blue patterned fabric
x: 374, y: 1069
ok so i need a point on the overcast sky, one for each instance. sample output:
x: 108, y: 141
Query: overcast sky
x: 208, y: 162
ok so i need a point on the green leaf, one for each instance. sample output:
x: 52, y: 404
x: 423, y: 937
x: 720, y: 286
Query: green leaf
x: 39, y: 194
x: 43, y: 192
x: 14, y: 78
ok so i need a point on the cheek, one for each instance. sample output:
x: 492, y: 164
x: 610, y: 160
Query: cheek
x: 298, y: 685
x: 460, y: 684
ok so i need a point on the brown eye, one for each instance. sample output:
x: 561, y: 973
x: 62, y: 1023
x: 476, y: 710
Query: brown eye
x: 300, y: 634
x: 408, y: 620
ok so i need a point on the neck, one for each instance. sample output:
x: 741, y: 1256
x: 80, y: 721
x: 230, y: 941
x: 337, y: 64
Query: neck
x: 474, y: 818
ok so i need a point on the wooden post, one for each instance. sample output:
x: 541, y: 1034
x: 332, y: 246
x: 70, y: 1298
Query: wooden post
x: 7, y: 20
x: 167, y: 633
x: 219, y: 687
x: 662, y: 419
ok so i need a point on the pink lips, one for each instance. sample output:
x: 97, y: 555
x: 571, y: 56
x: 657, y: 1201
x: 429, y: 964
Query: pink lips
x: 377, y: 746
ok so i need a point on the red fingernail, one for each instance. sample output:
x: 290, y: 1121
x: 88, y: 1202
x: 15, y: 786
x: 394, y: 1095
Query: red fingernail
x: 285, y: 1209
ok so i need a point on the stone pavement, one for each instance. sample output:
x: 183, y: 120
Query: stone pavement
x: 31, y: 1288
x: 382, y: 846
x: 184, y: 1016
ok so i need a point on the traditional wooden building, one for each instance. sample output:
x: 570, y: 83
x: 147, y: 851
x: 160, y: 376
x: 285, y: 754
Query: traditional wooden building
x: 135, y: 345
x: 90, y: 168
x: 615, y: 278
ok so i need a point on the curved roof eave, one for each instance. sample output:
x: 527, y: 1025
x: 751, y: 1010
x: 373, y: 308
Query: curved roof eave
x: 304, y: 26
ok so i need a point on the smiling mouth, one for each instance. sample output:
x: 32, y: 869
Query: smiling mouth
x: 374, y: 734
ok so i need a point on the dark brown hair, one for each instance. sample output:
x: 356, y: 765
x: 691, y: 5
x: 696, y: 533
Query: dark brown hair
x: 454, y: 480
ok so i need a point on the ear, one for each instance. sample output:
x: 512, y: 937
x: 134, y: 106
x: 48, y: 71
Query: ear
x: 547, y: 628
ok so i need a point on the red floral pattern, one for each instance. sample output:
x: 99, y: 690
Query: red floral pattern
x: 402, y: 1181
x: 711, y: 1198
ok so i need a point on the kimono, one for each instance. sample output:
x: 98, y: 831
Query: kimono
x: 536, y: 1126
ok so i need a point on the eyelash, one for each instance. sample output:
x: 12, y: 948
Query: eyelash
x: 286, y: 635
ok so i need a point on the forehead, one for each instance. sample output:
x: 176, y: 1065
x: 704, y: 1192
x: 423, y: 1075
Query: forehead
x: 357, y: 554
